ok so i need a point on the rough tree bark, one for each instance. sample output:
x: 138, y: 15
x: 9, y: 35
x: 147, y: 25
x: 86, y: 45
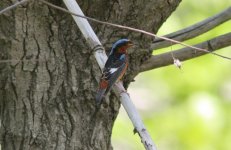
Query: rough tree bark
x: 47, y: 92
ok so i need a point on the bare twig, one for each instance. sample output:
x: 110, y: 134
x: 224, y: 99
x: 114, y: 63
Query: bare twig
x: 101, y: 58
x: 13, y: 6
x: 194, y: 30
x: 186, y: 53
x: 132, y: 29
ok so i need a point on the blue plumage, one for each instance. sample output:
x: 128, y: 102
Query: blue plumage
x: 122, y: 57
x: 117, y: 44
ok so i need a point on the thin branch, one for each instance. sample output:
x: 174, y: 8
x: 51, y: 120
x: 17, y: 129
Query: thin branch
x: 101, y: 58
x: 13, y: 6
x: 194, y: 30
x: 186, y: 53
x: 131, y: 29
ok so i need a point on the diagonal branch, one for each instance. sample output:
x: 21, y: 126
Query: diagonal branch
x: 13, y: 6
x: 186, y: 53
x: 101, y: 57
x: 194, y: 30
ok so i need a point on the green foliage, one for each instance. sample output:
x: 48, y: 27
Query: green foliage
x: 186, y: 109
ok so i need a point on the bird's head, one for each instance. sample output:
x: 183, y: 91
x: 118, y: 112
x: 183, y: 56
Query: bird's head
x: 121, y: 46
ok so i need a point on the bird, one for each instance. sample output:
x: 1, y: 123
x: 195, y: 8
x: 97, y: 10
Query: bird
x: 114, y: 69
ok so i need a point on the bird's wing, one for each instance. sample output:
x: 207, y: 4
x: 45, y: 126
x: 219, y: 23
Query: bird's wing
x: 113, y: 72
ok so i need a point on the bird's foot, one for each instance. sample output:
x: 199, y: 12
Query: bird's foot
x: 124, y: 91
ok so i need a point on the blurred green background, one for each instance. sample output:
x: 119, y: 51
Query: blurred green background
x: 187, y: 109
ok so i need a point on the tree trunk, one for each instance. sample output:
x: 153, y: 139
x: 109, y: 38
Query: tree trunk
x: 47, y: 90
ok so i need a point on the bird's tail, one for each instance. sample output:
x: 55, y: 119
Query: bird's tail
x: 99, y: 96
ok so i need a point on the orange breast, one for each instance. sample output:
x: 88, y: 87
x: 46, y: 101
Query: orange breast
x: 123, y: 72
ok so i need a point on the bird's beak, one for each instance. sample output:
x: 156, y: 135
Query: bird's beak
x: 130, y: 44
